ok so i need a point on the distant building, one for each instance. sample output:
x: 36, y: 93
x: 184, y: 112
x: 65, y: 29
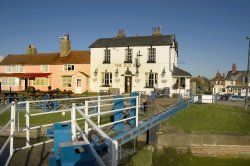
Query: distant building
x: 139, y: 63
x: 65, y: 70
x: 218, y: 84
x: 236, y: 81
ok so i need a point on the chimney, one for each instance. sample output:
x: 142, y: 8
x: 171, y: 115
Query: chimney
x: 156, y: 31
x: 65, y: 45
x: 31, y: 49
x: 223, y: 75
x: 234, y: 68
x: 120, y: 33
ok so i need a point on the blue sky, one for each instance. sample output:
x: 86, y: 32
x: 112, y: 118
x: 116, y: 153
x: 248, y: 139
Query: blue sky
x: 211, y: 33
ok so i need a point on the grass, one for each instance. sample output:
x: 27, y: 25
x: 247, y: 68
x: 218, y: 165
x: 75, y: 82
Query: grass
x: 142, y: 158
x: 169, y: 157
x: 211, y: 118
x: 46, y: 119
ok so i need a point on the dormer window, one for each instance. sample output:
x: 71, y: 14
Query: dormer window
x: 106, y: 56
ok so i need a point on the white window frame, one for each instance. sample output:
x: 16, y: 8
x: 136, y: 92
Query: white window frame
x: 67, y: 82
x: 128, y: 55
x: 10, y: 81
x: 68, y: 67
x: 41, y: 81
x: 107, y: 55
x: 151, y: 79
x: 151, y: 54
x: 43, y: 67
x: 106, y: 79
x: 14, y: 69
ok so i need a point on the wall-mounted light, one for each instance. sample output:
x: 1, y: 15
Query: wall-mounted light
x: 96, y: 72
x: 137, y: 73
x: 163, y: 72
x: 116, y: 72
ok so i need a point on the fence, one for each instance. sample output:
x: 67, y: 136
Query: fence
x: 10, y: 124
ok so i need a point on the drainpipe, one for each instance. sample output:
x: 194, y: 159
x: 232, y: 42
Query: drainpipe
x: 247, y: 81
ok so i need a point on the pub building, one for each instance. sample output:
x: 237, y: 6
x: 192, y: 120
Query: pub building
x: 137, y: 63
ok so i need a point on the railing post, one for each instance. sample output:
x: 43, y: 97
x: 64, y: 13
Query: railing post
x: 137, y: 111
x: 12, y: 127
x: 73, y: 121
x: 114, y: 152
x: 27, y: 123
x: 99, y: 111
x: 86, y: 113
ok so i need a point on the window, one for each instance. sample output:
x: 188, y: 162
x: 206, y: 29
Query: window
x: 151, y: 55
x: 151, y: 79
x: 44, y: 68
x: 106, y: 79
x: 69, y: 67
x: 128, y: 55
x: 106, y: 56
x: 41, y: 81
x: 10, y: 81
x: 66, y: 81
x: 14, y: 69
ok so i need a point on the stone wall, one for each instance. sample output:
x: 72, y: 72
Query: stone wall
x: 201, y: 144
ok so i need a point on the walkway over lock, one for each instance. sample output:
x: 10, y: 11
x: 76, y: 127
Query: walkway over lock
x: 100, y: 124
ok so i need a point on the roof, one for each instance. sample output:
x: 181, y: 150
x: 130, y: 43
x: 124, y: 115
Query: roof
x: 74, y: 57
x: 218, y: 77
x: 237, y: 76
x: 27, y: 75
x: 179, y: 72
x: 134, y: 41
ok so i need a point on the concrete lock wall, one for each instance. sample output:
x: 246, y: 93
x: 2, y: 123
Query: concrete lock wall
x: 207, y: 144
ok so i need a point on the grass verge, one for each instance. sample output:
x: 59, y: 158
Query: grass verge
x: 211, y: 118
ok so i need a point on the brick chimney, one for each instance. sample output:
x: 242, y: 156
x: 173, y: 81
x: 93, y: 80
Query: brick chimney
x: 65, y: 45
x: 234, y: 68
x: 156, y: 31
x: 31, y: 49
x: 120, y: 33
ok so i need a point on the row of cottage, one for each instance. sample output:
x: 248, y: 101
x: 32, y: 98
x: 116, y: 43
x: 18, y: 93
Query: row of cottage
x: 233, y: 83
x: 138, y: 63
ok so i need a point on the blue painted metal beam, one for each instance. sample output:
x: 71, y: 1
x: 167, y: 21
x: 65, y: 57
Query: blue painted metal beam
x: 143, y: 127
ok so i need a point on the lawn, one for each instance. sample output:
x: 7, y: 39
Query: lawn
x: 211, y: 118
x: 46, y: 119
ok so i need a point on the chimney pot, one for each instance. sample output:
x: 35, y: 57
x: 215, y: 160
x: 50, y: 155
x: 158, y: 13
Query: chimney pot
x: 65, y: 45
x: 234, y: 68
x: 120, y: 33
x: 156, y: 31
x: 31, y: 49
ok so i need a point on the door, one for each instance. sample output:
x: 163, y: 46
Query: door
x: 128, y: 84
x: 25, y: 84
x: 78, y: 89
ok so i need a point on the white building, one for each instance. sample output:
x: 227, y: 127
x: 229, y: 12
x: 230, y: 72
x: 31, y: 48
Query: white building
x: 139, y: 63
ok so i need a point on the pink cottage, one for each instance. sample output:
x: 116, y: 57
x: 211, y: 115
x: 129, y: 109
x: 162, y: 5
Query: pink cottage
x: 65, y: 70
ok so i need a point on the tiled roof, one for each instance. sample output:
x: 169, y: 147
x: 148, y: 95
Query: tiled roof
x: 134, y: 41
x: 218, y: 77
x: 179, y: 72
x: 238, y: 76
x: 74, y: 57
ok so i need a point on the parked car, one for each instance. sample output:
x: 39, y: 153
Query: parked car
x: 236, y: 98
x: 225, y: 96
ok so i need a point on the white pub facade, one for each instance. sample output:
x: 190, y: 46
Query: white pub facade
x: 139, y: 63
